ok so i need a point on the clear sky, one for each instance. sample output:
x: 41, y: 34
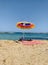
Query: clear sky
x: 13, y: 11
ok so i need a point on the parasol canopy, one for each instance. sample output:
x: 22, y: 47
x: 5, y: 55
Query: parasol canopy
x: 25, y: 25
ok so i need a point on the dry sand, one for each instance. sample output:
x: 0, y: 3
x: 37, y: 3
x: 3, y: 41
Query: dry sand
x: 15, y: 53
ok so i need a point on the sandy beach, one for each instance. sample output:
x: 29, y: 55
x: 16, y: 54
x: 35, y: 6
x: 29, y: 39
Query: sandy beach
x: 15, y: 53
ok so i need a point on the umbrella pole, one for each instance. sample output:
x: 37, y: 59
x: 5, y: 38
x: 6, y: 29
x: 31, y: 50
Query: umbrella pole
x: 23, y: 35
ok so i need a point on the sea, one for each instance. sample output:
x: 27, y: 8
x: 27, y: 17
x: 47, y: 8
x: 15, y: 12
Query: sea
x: 19, y: 35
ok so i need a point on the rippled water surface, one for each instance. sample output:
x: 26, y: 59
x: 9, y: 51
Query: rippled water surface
x: 17, y: 36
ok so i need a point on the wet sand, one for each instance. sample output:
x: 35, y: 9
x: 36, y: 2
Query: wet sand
x: 16, y: 53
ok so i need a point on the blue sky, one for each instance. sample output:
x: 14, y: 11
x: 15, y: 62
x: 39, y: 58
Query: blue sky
x: 13, y: 11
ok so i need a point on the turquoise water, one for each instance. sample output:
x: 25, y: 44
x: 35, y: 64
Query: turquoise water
x: 18, y: 35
